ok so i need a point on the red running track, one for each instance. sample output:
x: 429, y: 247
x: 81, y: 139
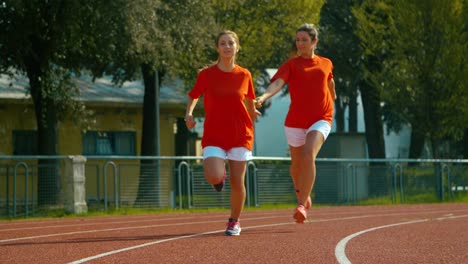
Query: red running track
x: 429, y: 233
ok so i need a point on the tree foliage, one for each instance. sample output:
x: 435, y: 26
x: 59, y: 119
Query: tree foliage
x: 421, y: 47
x: 169, y: 36
x: 49, y: 42
x: 339, y: 42
x: 266, y: 28
x: 369, y: 15
x: 158, y: 39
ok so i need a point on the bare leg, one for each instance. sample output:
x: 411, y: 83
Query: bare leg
x: 237, y: 178
x: 294, y: 169
x: 303, y: 169
x: 214, y: 169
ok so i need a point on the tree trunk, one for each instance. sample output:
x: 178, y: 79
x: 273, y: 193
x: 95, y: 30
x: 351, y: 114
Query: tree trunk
x: 48, y: 183
x: 339, y: 115
x: 416, y: 143
x: 149, y: 185
x: 373, y: 121
x: 464, y: 145
x: 378, y: 181
x: 352, y: 122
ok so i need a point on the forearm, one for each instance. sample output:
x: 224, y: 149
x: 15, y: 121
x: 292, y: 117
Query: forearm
x: 191, y: 103
x: 272, y: 89
x: 331, y: 88
x: 189, y: 120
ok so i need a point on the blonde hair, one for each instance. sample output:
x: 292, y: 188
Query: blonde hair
x: 234, y: 35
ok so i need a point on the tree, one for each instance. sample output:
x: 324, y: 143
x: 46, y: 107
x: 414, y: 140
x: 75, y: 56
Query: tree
x: 418, y: 48
x: 337, y: 39
x: 49, y: 41
x: 266, y: 28
x: 371, y: 17
x: 158, y: 39
x: 426, y: 76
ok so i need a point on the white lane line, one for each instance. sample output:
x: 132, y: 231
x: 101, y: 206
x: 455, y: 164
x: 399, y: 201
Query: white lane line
x: 105, y: 254
x: 155, y: 218
x: 120, y: 228
x: 165, y: 225
x: 146, y: 218
x: 340, y: 248
x: 199, y: 222
x: 102, y: 223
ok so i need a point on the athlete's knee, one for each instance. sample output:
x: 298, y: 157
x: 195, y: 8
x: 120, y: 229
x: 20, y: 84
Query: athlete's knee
x: 308, y: 157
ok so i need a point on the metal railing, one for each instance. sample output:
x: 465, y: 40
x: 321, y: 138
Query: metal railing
x: 177, y: 182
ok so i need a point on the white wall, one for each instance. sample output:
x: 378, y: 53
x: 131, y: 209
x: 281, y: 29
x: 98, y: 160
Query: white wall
x: 270, y: 139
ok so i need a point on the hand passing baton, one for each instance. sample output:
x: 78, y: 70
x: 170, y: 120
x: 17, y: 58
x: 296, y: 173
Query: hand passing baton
x: 257, y: 103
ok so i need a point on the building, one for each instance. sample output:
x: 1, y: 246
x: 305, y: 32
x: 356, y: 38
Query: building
x: 117, y: 121
x: 116, y: 131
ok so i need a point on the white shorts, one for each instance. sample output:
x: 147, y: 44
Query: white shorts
x: 239, y: 154
x: 296, y: 137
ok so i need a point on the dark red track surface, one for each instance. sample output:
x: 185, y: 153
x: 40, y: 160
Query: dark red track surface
x: 435, y: 233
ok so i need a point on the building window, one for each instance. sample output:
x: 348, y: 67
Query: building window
x: 25, y: 142
x: 109, y: 143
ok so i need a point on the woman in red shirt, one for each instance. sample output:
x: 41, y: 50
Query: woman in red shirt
x: 309, y: 119
x: 228, y: 131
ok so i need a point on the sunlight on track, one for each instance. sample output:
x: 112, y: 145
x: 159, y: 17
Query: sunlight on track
x: 105, y: 254
x: 142, y: 245
x: 340, y: 248
x: 116, y: 229
x: 205, y: 220
x: 167, y: 240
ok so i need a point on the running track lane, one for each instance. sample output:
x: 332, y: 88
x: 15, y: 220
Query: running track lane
x: 360, y: 234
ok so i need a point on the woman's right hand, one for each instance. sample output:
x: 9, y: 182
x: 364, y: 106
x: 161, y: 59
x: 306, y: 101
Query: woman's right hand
x: 190, y: 121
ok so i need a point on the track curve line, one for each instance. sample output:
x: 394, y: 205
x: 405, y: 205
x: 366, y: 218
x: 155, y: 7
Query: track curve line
x: 105, y: 254
x: 340, y: 248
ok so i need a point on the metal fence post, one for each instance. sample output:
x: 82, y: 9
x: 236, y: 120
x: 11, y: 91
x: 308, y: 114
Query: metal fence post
x: 115, y: 185
x: 26, y: 187
x: 248, y: 179
x: 179, y: 177
x: 396, y: 167
x: 449, y: 189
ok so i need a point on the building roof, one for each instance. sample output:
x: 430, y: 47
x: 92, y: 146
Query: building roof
x: 99, y: 91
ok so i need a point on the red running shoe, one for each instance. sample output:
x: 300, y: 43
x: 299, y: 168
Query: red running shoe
x: 220, y: 186
x: 300, y: 214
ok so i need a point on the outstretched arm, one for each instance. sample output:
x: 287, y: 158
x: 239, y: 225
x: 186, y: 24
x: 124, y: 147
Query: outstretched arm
x: 272, y: 89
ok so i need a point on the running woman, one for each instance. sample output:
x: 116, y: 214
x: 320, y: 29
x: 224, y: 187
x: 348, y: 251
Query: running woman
x: 309, y: 119
x: 228, y: 132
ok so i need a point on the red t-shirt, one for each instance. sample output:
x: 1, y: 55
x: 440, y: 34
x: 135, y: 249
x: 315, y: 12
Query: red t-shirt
x: 311, y: 100
x: 227, y: 121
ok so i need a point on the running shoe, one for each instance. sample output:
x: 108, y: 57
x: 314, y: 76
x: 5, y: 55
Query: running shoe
x: 220, y: 186
x: 300, y: 214
x: 233, y: 228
